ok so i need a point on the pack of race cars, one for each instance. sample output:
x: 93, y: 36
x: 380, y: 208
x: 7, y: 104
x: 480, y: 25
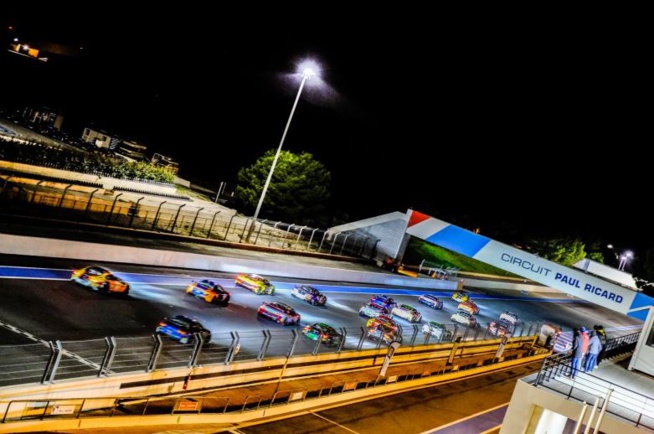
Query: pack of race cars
x: 382, y: 311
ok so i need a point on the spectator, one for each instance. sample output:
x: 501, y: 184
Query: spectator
x: 576, y: 352
x: 548, y: 341
x: 585, y: 339
x: 594, y: 348
x: 601, y: 333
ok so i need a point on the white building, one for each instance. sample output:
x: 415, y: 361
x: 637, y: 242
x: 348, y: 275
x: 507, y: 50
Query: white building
x: 131, y: 150
x: 100, y: 138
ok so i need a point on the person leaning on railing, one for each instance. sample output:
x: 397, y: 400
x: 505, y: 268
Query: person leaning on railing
x: 577, y: 353
x: 594, y: 348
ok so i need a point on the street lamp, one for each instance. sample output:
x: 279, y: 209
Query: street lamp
x: 624, y: 258
x: 307, y: 73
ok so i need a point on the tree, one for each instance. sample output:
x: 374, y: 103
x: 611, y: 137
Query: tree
x: 298, y: 191
x: 76, y: 160
x: 594, y: 250
x: 563, y: 250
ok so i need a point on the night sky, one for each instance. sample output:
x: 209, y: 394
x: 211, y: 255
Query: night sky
x: 537, y: 126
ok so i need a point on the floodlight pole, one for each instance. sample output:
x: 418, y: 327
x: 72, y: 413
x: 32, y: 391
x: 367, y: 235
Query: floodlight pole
x: 305, y: 76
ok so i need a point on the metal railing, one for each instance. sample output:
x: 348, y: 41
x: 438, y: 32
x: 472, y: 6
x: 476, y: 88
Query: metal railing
x: 147, y: 213
x: 65, y: 360
x: 267, y: 393
x: 623, y: 403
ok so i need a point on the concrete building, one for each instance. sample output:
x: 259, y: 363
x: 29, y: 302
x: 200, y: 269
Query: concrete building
x: 163, y: 161
x: 131, y: 150
x: 100, y: 138
x: 43, y: 117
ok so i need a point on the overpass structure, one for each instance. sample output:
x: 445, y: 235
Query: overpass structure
x: 574, y: 282
x: 568, y: 280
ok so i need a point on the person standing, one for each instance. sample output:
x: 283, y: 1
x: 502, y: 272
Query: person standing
x: 577, y: 352
x: 601, y: 333
x: 594, y: 348
x: 585, y: 339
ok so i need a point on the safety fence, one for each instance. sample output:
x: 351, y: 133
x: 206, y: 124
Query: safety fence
x: 97, y: 206
x: 358, y: 373
x: 585, y: 387
x: 64, y: 360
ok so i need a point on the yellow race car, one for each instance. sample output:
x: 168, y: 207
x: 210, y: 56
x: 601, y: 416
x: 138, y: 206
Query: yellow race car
x: 255, y: 283
x: 100, y: 279
x: 460, y: 296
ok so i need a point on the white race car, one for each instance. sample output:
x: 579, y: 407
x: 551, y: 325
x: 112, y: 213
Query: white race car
x: 407, y: 312
x: 463, y: 317
x: 437, y: 330
x: 372, y: 310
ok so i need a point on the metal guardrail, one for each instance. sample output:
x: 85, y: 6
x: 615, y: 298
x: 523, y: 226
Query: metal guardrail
x: 206, y: 401
x: 65, y: 360
x: 623, y: 403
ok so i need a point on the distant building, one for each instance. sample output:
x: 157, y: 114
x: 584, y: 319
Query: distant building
x: 43, y: 117
x: 100, y: 138
x: 163, y: 161
x: 131, y: 150
x: 601, y: 270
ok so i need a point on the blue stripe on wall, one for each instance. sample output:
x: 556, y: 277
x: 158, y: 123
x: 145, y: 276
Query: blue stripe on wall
x: 459, y: 240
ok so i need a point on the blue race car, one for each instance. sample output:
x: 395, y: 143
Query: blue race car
x: 309, y: 294
x: 431, y: 300
x: 384, y: 301
x: 182, y: 329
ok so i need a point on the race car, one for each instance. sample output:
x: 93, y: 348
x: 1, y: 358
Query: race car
x: 431, y: 300
x: 469, y: 306
x: 384, y: 332
x: 279, y: 312
x: 510, y: 316
x: 309, y: 294
x: 460, y: 296
x: 407, y: 312
x: 382, y: 319
x: 501, y: 327
x: 209, y: 291
x: 465, y: 318
x: 504, y: 325
x: 437, y: 330
x: 182, y: 329
x: 384, y: 301
x: 373, y: 310
x: 255, y: 283
x: 100, y: 279
x: 323, y: 332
